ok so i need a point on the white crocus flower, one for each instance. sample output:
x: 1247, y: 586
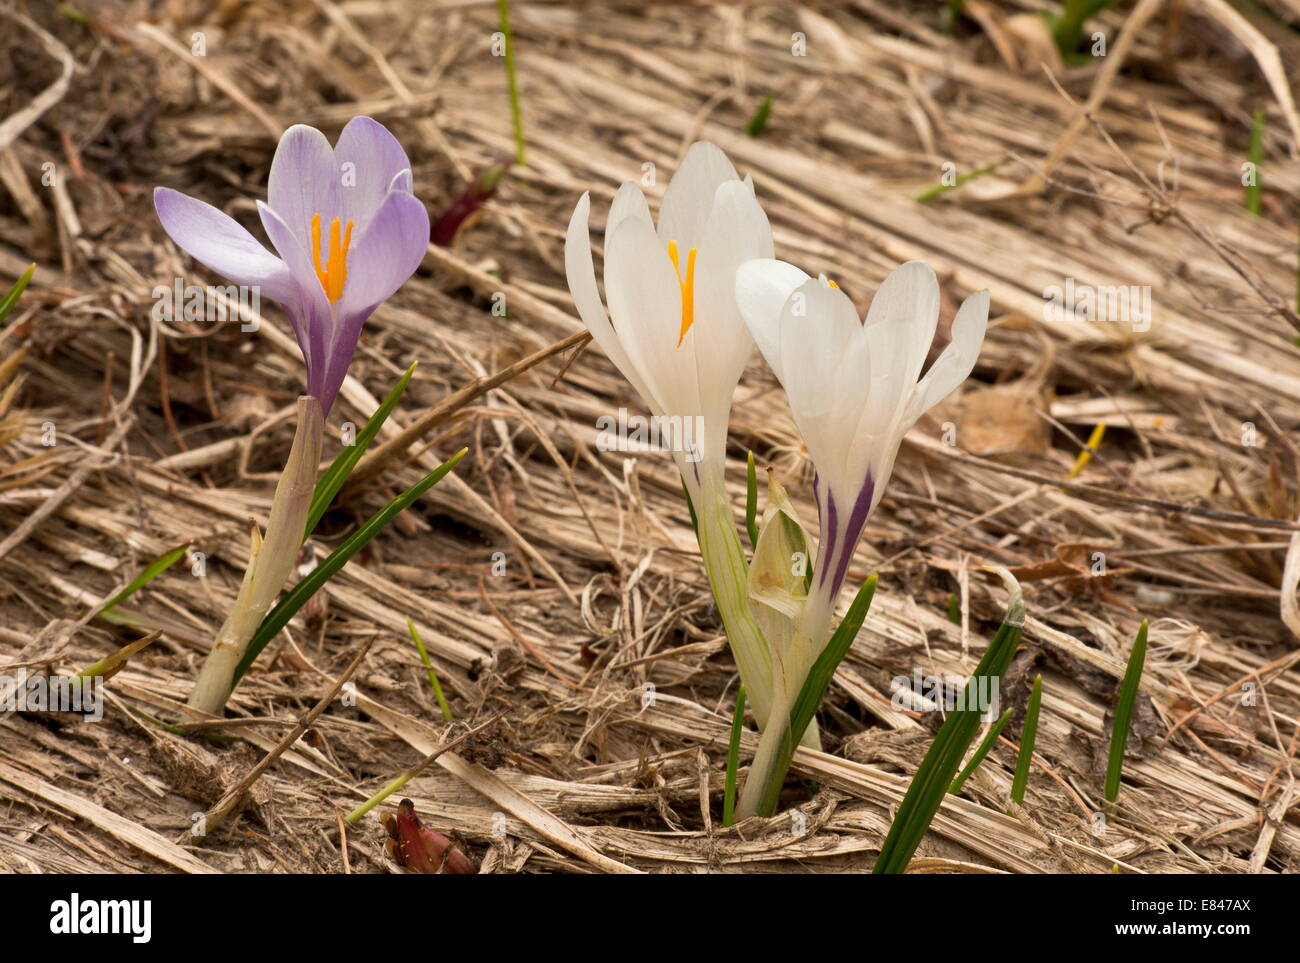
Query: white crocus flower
x: 855, y: 390
x: 675, y: 332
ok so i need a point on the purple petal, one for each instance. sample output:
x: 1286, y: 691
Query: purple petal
x: 305, y: 181
x: 219, y: 242
x: 377, y: 161
x: 329, y: 364
x: 386, y: 255
x: 312, y: 314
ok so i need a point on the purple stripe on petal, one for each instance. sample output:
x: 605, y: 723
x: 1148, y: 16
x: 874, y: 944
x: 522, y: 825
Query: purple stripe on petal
x: 853, y: 531
x: 830, y: 526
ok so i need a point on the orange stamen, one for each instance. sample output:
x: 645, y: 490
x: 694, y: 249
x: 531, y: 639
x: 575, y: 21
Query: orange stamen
x: 687, y: 285
x: 334, y: 275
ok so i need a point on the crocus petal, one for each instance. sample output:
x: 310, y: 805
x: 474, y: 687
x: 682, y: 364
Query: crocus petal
x: 903, y: 317
x: 386, y: 255
x: 305, y: 180
x: 376, y: 159
x: 629, y: 201
x: 958, y: 359
x: 402, y: 182
x: 763, y: 286
x: 311, y: 305
x: 736, y: 231
x: 817, y: 323
x: 645, y: 302
x: 216, y: 240
x: 581, y: 275
x: 689, y: 197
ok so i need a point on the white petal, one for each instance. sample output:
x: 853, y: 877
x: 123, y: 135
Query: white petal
x: 958, y: 359
x: 586, y: 297
x: 689, y: 197
x: 645, y: 304
x: 737, y: 231
x: 818, y: 325
x: 763, y: 286
x: 903, y: 317
x: 629, y: 201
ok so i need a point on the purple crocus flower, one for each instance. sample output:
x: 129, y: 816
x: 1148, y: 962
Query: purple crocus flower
x: 346, y: 226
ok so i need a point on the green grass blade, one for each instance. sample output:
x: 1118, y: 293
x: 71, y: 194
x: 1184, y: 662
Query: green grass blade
x: 1067, y: 29
x: 814, y: 690
x: 936, y: 190
x: 990, y: 740
x: 1028, y: 735
x: 758, y: 123
x: 297, y: 597
x: 690, y: 507
x: 1128, y: 692
x: 107, y: 664
x: 433, y: 673
x: 733, y: 759
x: 147, y: 575
x: 512, y: 78
x: 935, y: 774
x: 751, y: 502
x: 1254, y: 190
x: 11, y: 298
x: 337, y: 474
x: 954, y: 609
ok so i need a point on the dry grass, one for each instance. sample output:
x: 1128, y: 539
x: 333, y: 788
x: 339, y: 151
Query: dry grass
x: 169, y: 434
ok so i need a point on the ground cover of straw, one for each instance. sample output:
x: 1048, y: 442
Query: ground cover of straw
x: 170, y: 434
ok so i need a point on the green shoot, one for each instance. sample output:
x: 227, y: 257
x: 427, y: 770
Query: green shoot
x: 1028, y: 735
x: 758, y: 123
x: 733, y: 759
x: 337, y: 474
x: 1067, y: 29
x: 107, y: 666
x: 1128, y: 692
x: 516, y: 112
x: 147, y: 575
x: 1254, y: 190
x: 433, y: 673
x: 936, y: 190
x: 297, y: 597
x: 812, y: 693
x: 11, y: 298
x: 995, y: 730
x: 935, y: 774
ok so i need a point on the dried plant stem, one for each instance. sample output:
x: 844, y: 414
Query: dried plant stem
x: 271, y: 562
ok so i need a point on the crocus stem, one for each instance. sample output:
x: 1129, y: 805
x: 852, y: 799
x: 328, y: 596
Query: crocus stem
x: 272, y: 560
x: 776, y: 745
x: 724, y: 562
x: 728, y: 572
